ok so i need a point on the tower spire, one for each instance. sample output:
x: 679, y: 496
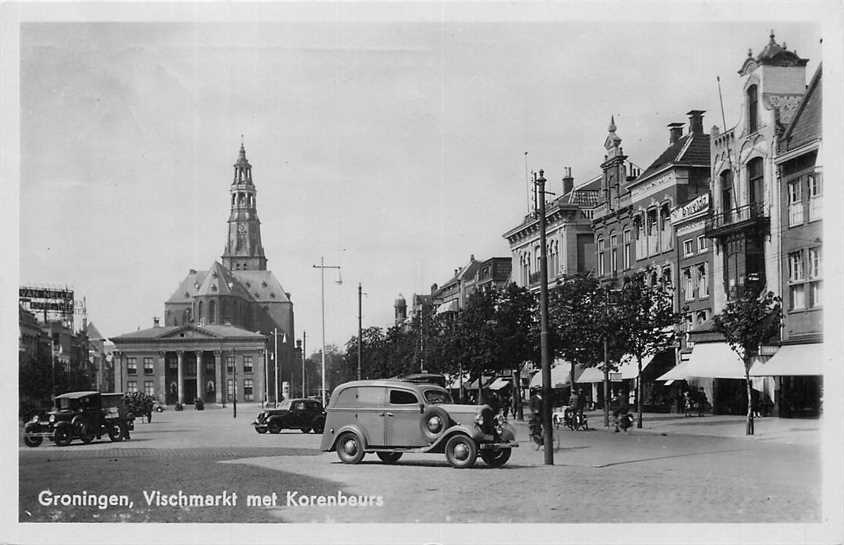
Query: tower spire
x: 244, y: 250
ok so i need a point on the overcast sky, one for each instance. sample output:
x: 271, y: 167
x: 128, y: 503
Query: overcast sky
x: 395, y: 150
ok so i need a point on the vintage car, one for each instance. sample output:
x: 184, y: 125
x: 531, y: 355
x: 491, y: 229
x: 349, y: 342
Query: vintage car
x: 391, y: 417
x: 84, y: 415
x: 292, y: 414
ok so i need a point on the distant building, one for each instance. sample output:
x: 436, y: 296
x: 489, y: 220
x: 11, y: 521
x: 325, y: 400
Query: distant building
x: 219, y: 324
x: 800, y: 171
x: 569, y: 239
x: 614, y: 218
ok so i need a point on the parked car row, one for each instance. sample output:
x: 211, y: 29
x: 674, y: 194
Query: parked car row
x: 85, y: 415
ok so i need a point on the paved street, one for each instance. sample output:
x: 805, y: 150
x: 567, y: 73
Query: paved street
x: 674, y: 470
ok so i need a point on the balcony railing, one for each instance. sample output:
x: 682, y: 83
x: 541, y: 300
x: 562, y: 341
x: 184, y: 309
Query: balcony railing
x: 753, y: 212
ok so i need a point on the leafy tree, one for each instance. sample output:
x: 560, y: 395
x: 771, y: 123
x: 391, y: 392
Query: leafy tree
x: 746, y: 323
x: 647, y: 322
x: 576, y: 315
x: 518, y: 330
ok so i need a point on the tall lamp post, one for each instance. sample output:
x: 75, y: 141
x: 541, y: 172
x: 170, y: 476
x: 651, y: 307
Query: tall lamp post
x: 275, y: 363
x: 322, y: 266
x: 304, y: 348
x: 360, y: 325
x: 547, y: 432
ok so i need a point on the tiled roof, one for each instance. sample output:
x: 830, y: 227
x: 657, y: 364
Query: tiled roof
x: 806, y: 125
x: 262, y: 286
x: 219, y: 281
x: 692, y: 149
x: 584, y: 198
x: 221, y: 331
x: 188, y: 287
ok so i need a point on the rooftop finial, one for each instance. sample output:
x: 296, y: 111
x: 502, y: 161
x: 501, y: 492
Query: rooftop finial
x: 772, y: 36
x: 612, y: 127
x: 749, y: 52
x: 242, y: 149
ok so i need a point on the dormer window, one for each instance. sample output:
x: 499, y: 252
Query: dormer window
x: 272, y: 295
x: 264, y: 284
x: 752, y: 108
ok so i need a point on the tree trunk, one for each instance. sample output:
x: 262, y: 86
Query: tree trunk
x: 749, y: 425
x: 639, y: 393
x: 517, y: 394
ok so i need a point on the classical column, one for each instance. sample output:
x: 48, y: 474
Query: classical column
x: 161, y: 371
x: 218, y: 376
x: 117, y: 364
x: 200, y: 387
x: 180, y: 376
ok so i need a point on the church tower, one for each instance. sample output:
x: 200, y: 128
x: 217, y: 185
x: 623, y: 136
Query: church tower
x: 244, y: 250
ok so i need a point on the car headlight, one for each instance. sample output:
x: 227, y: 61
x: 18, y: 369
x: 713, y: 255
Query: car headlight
x: 479, y: 419
x: 434, y: 424
x: 52, y: 418
x: 34, y: 419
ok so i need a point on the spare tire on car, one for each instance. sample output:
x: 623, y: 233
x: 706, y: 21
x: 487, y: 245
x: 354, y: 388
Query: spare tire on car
x: 434, y: 422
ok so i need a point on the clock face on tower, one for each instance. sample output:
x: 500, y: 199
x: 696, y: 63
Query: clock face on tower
x: 241, y: 228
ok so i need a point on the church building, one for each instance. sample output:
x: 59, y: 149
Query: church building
x: 234, y: 313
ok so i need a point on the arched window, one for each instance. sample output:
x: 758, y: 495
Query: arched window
x: 212, y: 312
x: 755, y: 181
x: 199, y: 311
x: 752, y: 109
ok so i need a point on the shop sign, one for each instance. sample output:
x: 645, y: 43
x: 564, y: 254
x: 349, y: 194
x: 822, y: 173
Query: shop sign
x: 697, y: 206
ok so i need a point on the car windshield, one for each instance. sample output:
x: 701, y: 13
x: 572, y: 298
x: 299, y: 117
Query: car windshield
x: 435, y: 397
x: 65, y: 403
x: 284, y: 405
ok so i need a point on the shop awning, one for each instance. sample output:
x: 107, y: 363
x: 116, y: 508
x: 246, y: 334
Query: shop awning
x: 450, y: 306
x: 499, y: 383
x: 678, y: 372
x: 712, y: 360
x: 591, y: 375
x: 629, y: 367
x: 792, y: 360
x: 560, y: 375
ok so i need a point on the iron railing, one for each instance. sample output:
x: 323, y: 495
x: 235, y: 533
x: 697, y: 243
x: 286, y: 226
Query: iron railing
x: 749, y: 212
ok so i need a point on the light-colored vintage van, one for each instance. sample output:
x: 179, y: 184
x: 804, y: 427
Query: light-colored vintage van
x: 391, y: 417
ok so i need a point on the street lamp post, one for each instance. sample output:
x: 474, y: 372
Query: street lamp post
x: 543, y: 336
x: 275, y: 363
x: 360, y: 325
x: 304, y: 348
x: 322, y: 266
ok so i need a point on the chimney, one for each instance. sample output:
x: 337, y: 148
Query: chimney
x: 696, y: 121
x: 568, y: 181
x: 155, y: 321
x: 675, y: 131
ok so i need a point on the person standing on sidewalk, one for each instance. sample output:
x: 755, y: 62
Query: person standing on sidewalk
x: 619, y: 409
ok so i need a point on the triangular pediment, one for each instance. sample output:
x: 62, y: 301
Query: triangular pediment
x: 189, y: 332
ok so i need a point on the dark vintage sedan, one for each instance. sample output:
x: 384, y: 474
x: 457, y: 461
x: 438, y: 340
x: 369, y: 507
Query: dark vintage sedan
x: 393, y: 417
x: 85, y: 415
x: 292, y: 414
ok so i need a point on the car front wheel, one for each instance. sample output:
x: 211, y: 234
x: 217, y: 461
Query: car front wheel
x: 63, y: 436
x: 497, y: 457
x: 461, y: 451
x: 86, y: 433
x: 389, y: 457
x: 32, y: 440
x: 115, y: 433
x: 261, y: 430
x: 349, y: 448
x: 274, y: 428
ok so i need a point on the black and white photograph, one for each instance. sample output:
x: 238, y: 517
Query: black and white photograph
x: 422, y: 273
